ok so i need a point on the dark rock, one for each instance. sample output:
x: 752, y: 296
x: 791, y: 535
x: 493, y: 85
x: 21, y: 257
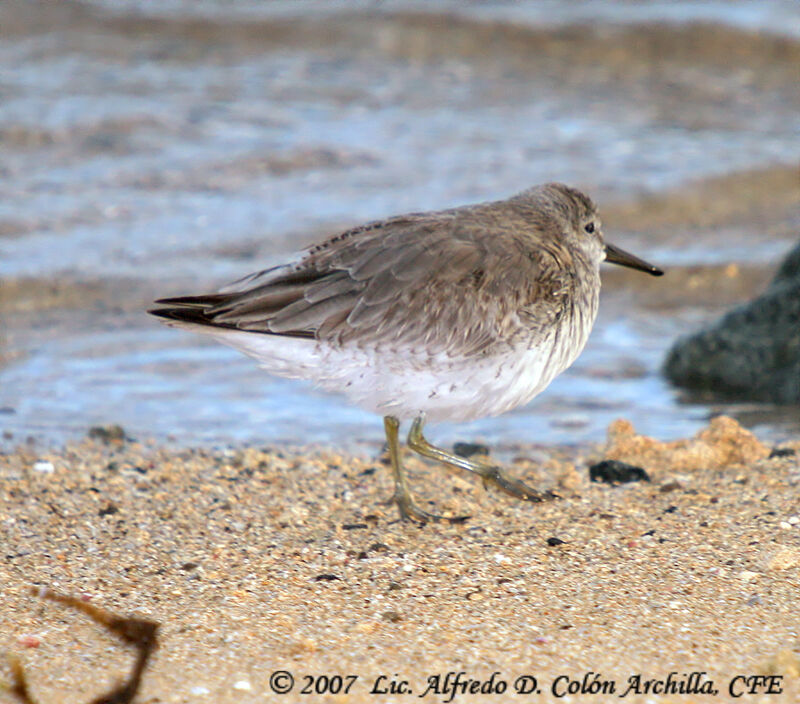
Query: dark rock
x: 553, y: 541
x: 753, y: 351
x: 616, y: 472
x: 326, y: 578
x: 108, y: 510
x: 107, y: 433
x: 468, y: 449
x: 782, y: 452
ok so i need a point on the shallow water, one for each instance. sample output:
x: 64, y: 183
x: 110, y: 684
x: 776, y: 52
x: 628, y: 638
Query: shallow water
x: 153, y: 157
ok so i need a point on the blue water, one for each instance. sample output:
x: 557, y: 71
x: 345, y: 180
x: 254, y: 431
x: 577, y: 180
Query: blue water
x: 159, y: 165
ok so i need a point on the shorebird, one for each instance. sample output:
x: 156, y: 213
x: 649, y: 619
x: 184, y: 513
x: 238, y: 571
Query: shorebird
x: 448, y: 315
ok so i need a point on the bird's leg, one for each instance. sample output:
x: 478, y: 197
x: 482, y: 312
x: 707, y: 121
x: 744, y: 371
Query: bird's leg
x: 401, y: 496
x: 491, y: 474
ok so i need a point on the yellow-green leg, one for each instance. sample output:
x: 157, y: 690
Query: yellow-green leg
x: 401, y: 496
x: 491, y: 474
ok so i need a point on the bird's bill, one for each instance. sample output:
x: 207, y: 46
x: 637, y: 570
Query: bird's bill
x: 615, y: 255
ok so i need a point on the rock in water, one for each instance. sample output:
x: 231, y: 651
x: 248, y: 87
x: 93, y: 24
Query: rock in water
x: 753, y: 351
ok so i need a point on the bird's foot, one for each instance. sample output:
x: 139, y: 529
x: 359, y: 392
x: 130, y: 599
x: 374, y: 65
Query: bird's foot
x: 514, y: 487
x: 409, y: 511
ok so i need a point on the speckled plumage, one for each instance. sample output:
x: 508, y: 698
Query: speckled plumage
x: 449, y: 315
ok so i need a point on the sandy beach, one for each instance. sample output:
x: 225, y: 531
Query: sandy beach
x: 262, y: 561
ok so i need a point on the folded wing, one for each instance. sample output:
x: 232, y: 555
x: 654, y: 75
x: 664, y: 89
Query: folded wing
x: 398, y: 283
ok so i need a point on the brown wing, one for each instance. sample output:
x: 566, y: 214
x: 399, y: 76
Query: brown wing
x: 443, y: 282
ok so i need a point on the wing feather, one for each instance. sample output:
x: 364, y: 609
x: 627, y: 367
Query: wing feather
x: 440, y: 282
x: 301, y: 316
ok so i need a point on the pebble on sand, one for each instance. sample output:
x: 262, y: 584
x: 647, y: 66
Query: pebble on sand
x: 724, y: 442
x: 784, y: 558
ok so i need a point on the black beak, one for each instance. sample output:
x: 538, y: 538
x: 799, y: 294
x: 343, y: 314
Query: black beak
x: 615, y: 255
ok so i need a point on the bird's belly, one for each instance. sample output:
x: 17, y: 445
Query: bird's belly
x: 447, y: 388
x: 405, y: 383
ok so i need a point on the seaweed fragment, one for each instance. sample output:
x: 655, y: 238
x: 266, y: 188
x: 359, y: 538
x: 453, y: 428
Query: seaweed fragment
x: 140, y: 633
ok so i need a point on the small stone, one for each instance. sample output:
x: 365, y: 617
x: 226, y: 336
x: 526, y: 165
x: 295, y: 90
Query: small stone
x: 108, y: 510
x: 29, y: 641
x: 670, y: 486
x: 326, y: 578
x: 392, y: 616
x: 784, y: 558
x: 748, y: 576
x: 616, y: 472
x: 753, y: 600
x: 554, y: 542
x: 107, y: 433
x: 43, y: 466
x: 785, y: 525
x: 793, y: 520
x: 243, y: 686
x: 199, y: 691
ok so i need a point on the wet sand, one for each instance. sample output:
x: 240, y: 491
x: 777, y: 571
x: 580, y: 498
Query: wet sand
x: 255, y: 561
x: 157, y: 149
x: 56, y: 328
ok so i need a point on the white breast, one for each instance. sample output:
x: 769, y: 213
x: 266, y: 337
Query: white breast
x: 405, y: 383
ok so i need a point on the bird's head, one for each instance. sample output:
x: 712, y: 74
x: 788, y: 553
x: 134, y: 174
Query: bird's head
x: 578, y: 223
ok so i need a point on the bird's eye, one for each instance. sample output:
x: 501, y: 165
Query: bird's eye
x: 589, y: 227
